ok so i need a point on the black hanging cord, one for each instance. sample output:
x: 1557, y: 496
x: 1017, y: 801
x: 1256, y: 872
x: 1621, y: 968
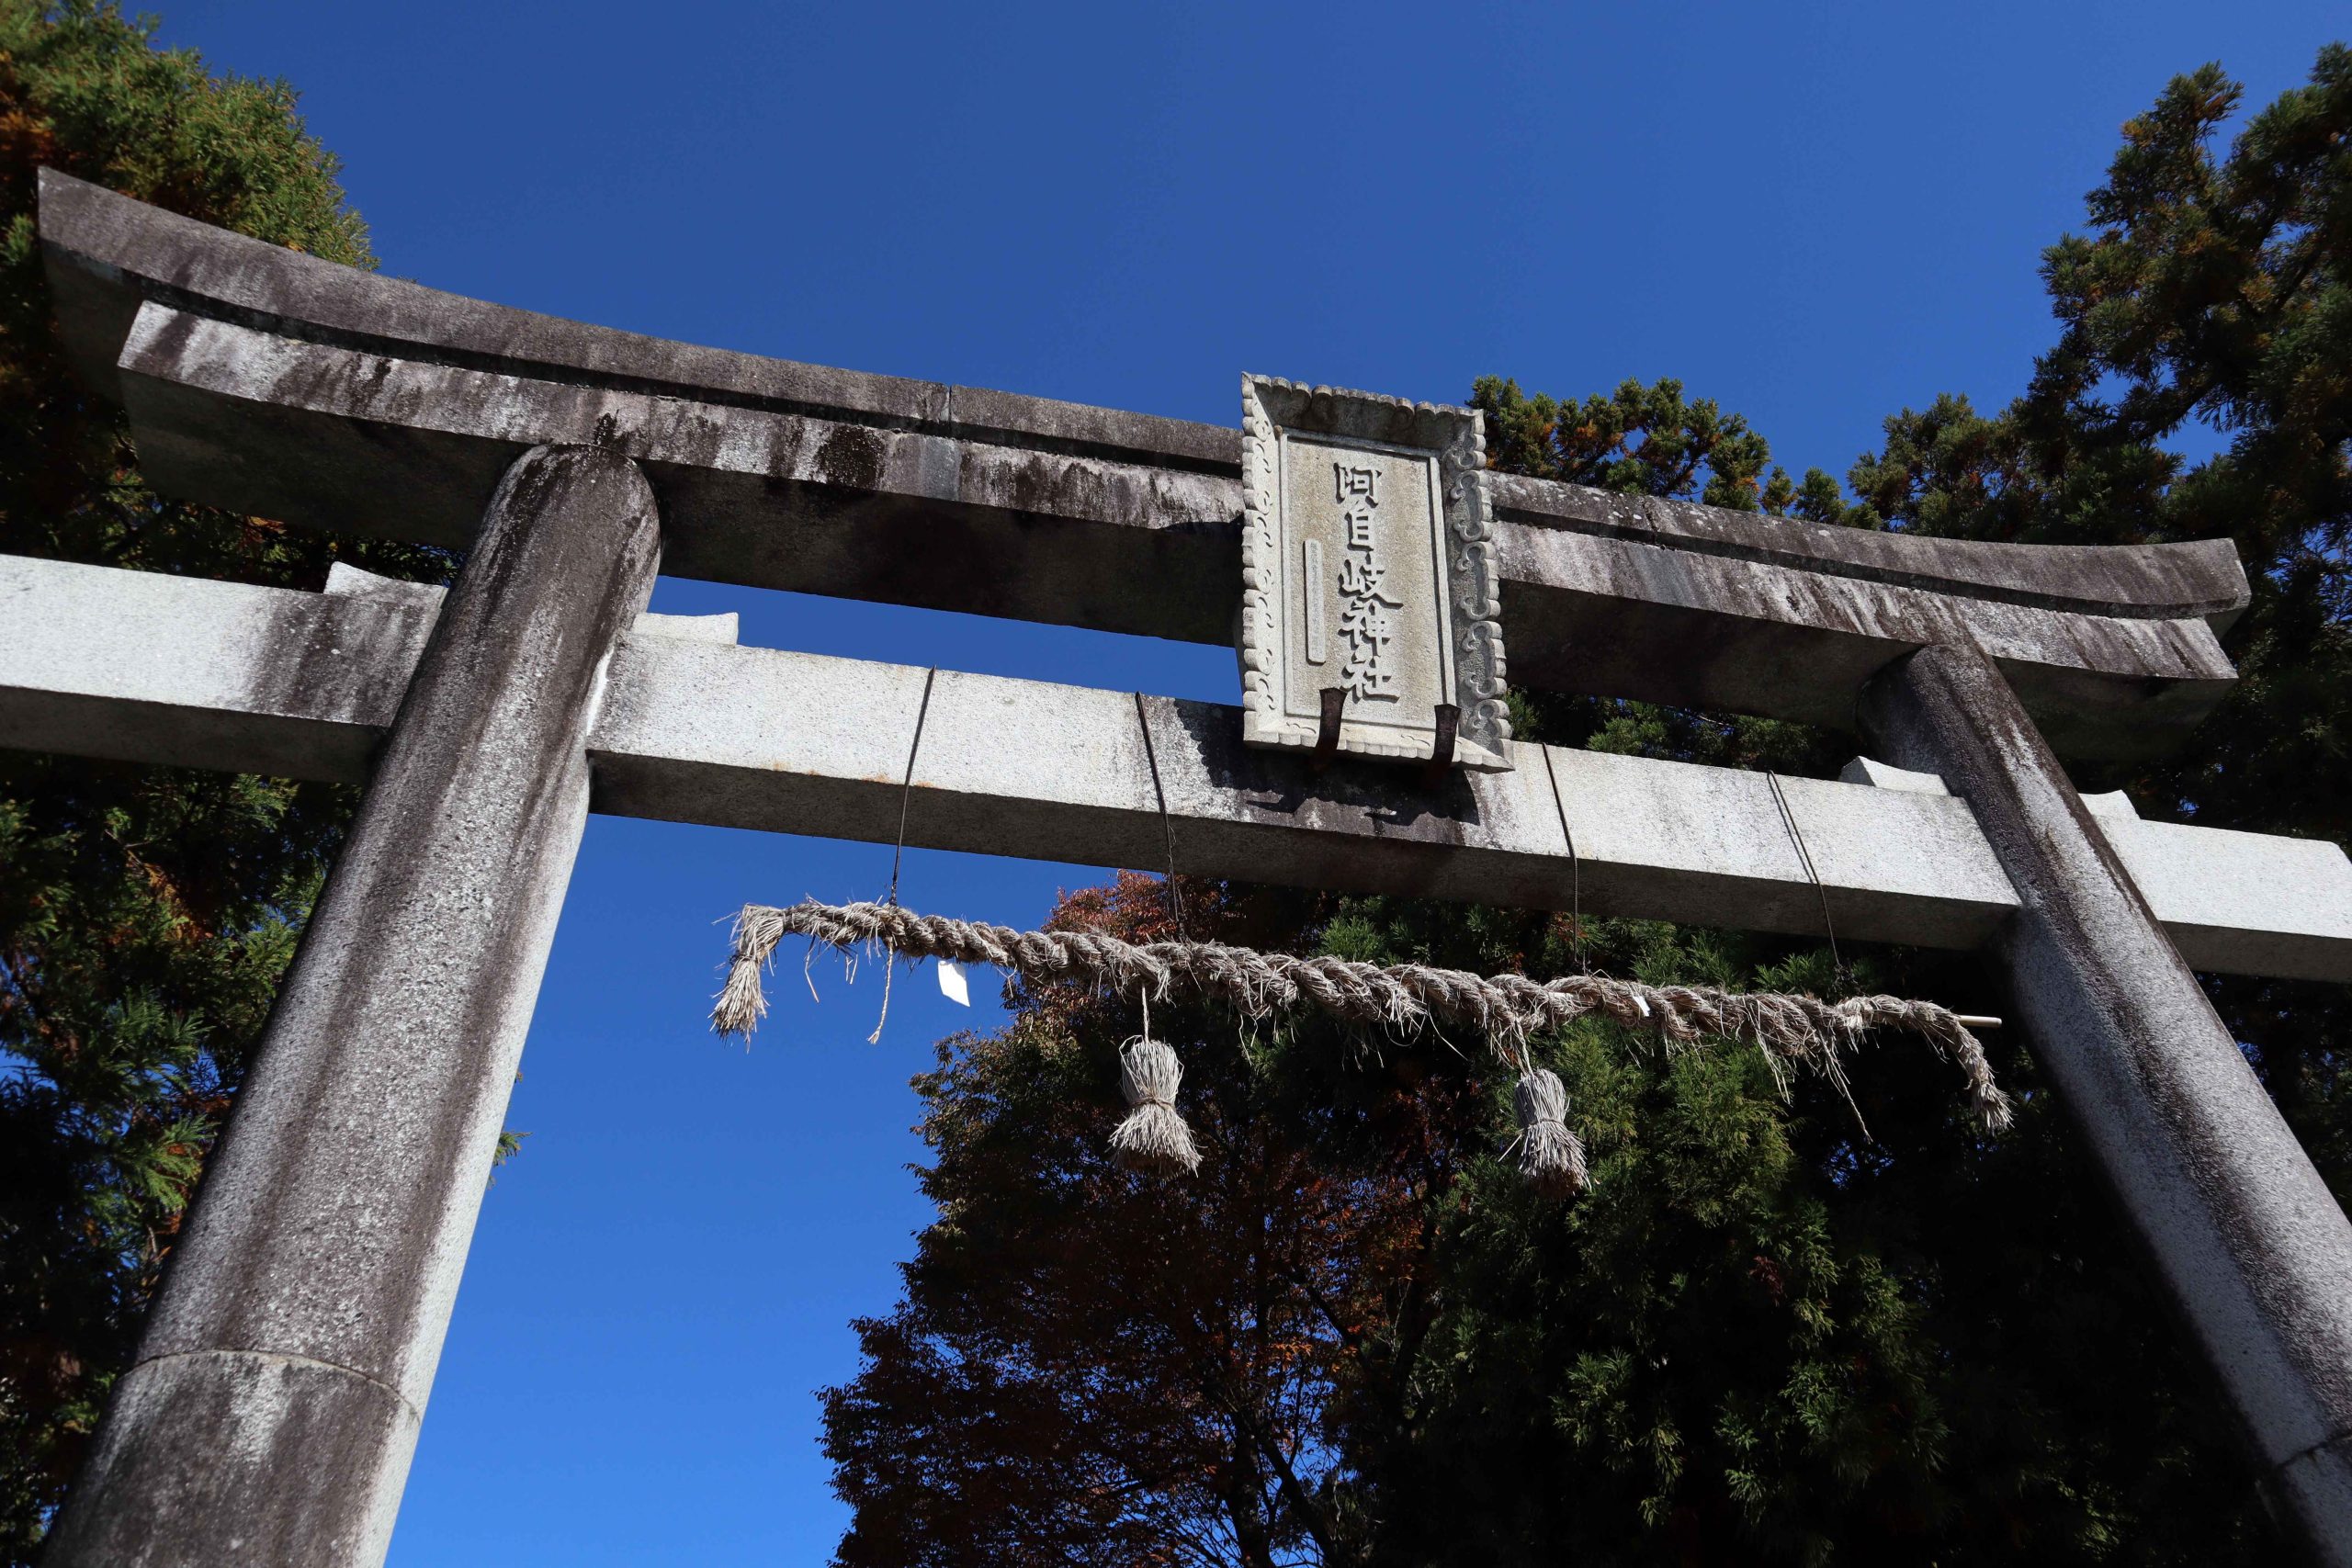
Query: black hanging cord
x: 1797, y: 835
x: 899, y: 850
x: 1576, y: 866
x: 1175, y: 896
x: 907, y: 783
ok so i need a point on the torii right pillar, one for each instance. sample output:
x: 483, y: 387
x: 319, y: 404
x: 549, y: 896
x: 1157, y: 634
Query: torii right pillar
x: 2249, y: 1242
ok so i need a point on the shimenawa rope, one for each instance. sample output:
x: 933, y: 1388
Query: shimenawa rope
x: 1789, y: 1028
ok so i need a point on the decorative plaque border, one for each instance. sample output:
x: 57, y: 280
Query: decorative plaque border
x: 1469, y: 610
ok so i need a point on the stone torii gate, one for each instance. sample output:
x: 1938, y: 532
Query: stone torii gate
x: 275, y: 1400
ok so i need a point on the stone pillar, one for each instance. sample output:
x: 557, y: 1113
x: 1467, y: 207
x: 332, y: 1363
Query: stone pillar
x: 2248, y: 1240
x: 274, y: 1407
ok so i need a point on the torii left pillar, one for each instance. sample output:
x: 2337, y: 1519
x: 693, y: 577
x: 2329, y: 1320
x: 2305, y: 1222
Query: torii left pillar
x: 274, y: 1408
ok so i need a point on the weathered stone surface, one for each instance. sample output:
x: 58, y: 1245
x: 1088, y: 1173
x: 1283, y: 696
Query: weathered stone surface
x: 1618, y: 614
x: 2175, y: 581
x: 280, y: 384
x: 144, y: 667
x: 2247, y: 1239
x: 107, y: 253
x: 190, y: 1442
x: 147, y: 667
x: 334, y: 1220
x: 315, y: 433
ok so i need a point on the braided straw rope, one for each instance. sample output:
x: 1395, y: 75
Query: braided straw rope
x: 1790, y: 1028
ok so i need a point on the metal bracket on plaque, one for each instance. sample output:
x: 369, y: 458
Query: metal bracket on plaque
x: 1368, y: 573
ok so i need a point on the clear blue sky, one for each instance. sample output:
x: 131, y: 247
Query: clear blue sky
x: 1814, y: 214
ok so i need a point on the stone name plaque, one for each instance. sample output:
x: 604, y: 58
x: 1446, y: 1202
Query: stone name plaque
x: 1368, y: 568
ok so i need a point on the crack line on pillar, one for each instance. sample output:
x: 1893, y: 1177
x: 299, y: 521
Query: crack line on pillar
x: 288, y: 1358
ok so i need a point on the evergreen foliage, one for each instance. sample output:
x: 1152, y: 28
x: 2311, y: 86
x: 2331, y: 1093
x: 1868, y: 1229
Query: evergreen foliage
x: 146, y: 914
x: 1761, y: 1335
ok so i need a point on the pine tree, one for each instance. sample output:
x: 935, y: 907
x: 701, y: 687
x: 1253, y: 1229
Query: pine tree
x: 146, y: 914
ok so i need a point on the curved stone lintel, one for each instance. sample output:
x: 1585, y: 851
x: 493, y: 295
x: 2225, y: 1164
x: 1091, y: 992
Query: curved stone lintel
x: 276, y: 383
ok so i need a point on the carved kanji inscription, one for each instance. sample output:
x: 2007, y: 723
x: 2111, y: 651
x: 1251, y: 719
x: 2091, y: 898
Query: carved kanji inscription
x: 1368, y: 570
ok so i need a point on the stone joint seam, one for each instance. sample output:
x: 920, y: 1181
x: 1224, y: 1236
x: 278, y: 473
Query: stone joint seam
x: 416, y: 1411
x: 2292, y: 1460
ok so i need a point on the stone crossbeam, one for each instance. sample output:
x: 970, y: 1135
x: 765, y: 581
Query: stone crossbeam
x: 282, y: 385
x: 105, y: 662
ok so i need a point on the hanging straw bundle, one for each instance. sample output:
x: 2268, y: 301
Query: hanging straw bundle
x: 1791, y: 1029
x: 1550, y: 1156
x: 1153, y: 1139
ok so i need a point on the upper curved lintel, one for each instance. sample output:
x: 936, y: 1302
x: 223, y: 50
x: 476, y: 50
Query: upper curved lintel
x: 108, y: 252
x: 2199, y: 578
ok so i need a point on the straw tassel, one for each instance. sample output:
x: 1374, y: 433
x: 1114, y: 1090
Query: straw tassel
x: 743, y: 1001
x: 1153, y: 1139
x: 1550, y: 1156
